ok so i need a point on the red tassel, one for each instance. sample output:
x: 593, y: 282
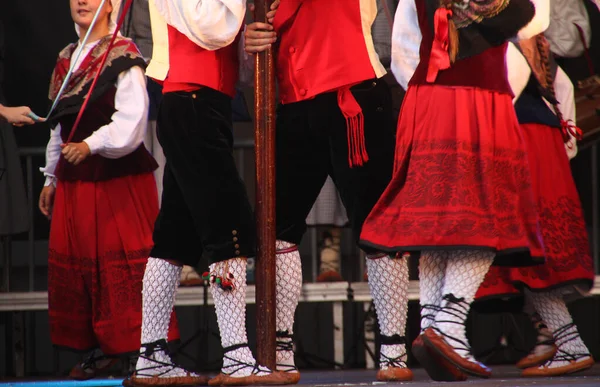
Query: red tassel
x: 439, y: 58
x: 569, y: 129
x: 226, y: 285
x: 355, y: 126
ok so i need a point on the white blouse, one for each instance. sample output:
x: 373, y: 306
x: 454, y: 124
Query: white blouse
x: 518, y: 77
x: 127, y: 128
x: 406, y: 36
x: 211, y: 24
x: 562, y: 33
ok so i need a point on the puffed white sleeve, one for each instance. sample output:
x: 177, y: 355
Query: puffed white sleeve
x: 211, y: 24
x: 540, y: 21
x: 52, y: 155
x: 406, y: 41
x: 518, y: 70
x: 563, y: 34
x: 128, y: 124
x: 565, y: 94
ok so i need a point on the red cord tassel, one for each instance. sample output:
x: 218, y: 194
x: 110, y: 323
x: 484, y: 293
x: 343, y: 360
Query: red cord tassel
x: 355, y: 126
x: 439, y: 58
x: 569, y: 129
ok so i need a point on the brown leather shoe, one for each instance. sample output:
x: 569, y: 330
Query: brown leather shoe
x: 395, y: 374
x: 226, y: 380
x: 188, y: 380
x: 437, y: 343
x: 276, y: 378
x: 436, y: 366
x: 273, y: 378
x: 291, y: 377
x: 538, y: 356
x: 92, y: 367
x: 544, y: 371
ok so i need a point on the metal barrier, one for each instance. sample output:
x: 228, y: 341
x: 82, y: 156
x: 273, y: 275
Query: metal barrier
x: 240, y: 149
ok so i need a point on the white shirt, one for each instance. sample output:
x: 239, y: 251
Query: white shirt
x: 211, y: 24
x: 406, y: 36
x: 127, y: 128
x: 562, y: 34
x: 518, y: 77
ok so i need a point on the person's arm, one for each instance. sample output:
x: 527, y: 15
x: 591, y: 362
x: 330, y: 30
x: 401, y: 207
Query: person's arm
x: 127, y: 128
x: 211, y: 24
x: 257, y: 37
x: 17, y: 116
x: 565, y: 95
x: 518, y: 70
x: 563, y: 35
x: 540, y: 20
x: 52, y: 155
x: 406, y: 41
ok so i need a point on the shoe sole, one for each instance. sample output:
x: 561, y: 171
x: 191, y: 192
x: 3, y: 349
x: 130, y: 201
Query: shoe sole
x: 429, y: 345
x: 435, y: 365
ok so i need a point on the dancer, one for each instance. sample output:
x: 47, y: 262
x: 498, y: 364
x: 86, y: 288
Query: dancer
x: 461, y: 192
x: 205, y: 208
x: 545, y: 106
x: 99, y: 193
x: 335, y: 119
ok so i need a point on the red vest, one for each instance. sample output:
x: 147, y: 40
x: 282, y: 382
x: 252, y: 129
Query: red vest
x: 191, y: 65
x: 322, y: 47
x: 486, y: 70
x: 325, y: 46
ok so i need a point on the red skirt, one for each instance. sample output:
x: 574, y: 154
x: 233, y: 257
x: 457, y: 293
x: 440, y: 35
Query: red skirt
x: 566, y: 243
x: 461, y: 179
x: 100, y: 238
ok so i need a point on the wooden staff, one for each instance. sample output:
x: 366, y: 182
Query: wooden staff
x: 264, y: 138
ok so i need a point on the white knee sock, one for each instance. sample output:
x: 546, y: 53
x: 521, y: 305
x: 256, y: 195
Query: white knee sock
x: 388, y: 282
x: 288, y: 290
x: 160, y: 283
x: 553, y: 310
x: 465, y: 271
x: 230, y: 305
x: 432, y: 269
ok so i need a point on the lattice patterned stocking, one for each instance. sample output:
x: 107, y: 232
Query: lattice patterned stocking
x: 551, y: 307
x: 545, y: 339
x: 160, y: 283
x: 465, y: 271
x: 432, y: 269
x: 388, y: 282
x: 230, y: 305
x: 289, y: 288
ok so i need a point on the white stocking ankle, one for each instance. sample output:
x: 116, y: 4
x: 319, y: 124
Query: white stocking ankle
x: 388, y: 281
x: 230, y: 305
x: 465, y: 271
x: 289, y: 288
x: 551, y: 307
x: 432, y: 269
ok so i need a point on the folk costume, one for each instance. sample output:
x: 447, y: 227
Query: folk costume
x: 546, y: 111
x: 205, y: 208
x: 335, y: 119
x: 105, y: 207
x: 461, y: 192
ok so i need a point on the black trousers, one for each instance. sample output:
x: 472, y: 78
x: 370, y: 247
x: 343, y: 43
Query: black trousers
x: 205, y: 208
x: 312, y: 143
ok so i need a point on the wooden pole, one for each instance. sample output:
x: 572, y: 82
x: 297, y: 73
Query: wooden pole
x: 264, y: 137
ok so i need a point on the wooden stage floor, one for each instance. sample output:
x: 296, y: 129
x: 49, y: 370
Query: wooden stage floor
x: 504, y: 376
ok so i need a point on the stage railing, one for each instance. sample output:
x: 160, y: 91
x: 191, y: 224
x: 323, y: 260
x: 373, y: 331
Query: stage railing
x: 335, y: 293
x: 241, y: 149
